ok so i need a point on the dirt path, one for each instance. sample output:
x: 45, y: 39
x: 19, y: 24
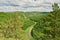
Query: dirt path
x: 29, y: 33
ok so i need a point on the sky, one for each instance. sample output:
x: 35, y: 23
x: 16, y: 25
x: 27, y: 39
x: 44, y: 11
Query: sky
x: 27, y: 5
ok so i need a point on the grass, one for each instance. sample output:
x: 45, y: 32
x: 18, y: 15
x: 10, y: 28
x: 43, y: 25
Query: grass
x: 20, y: 20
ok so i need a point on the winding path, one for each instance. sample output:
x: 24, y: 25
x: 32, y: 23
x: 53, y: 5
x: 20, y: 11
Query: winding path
x: 27, y: 34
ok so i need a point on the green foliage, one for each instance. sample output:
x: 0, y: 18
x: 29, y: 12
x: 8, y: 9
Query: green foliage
x: 10, y: 25
x: 55, y: 6
x: 15, y: 25
x: 29, y: 22
x: 48, y: 27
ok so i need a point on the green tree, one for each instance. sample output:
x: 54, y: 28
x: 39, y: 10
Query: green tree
x: 48, y: 27
x: 55, y: 7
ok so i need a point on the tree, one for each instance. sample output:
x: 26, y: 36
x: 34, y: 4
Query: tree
x: 55, y: 7
x: 48, y: 27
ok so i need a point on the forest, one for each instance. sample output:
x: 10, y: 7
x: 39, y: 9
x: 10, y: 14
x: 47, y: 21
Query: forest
x: 30, y: 25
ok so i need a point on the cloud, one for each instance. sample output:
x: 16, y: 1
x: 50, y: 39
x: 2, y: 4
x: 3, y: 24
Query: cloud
x: 27, y: 5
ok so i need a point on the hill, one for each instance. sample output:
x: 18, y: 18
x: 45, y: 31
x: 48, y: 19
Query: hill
x: 16, y: 25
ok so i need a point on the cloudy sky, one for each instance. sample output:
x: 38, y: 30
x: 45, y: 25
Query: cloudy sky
x: 27, y: 5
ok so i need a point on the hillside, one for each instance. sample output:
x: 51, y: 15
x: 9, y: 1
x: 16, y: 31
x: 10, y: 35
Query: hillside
x: 16, y: 25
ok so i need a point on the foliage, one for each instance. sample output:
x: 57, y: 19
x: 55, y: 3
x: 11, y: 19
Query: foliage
x: 47, y: 28
x: 10, y: 25
x: 15, y: 25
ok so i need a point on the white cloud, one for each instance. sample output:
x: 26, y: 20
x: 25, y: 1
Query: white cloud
x: 27, y: 5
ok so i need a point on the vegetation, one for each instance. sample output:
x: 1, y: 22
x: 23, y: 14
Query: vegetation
x: 48, y: 28
x: 15, y: 25
x: 30, y: 25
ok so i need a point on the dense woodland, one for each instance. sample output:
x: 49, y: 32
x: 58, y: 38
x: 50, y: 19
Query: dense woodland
x: 48, y: 27
x: 30, y: 25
